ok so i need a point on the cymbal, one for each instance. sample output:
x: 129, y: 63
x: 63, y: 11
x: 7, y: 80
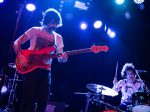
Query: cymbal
x: 12, y: 65
x: 102, y: 89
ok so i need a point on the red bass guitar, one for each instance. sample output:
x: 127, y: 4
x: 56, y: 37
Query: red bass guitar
x: 35, y: 58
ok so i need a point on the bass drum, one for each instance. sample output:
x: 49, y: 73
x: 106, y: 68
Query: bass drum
x: 141, y: 102
x: 110, y: 111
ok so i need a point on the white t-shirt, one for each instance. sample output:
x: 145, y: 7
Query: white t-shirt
x: 39, y: 39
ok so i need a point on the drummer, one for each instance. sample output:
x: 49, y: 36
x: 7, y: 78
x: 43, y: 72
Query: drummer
x: 128, y: 85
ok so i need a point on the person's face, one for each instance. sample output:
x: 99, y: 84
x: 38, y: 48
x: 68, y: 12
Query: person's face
x: 52, y: 25
x: 130, y: 75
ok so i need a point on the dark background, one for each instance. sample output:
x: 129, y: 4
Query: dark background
x: 131, y: 44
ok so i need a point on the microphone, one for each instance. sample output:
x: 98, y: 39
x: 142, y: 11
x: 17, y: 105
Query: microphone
x: 141, y: 71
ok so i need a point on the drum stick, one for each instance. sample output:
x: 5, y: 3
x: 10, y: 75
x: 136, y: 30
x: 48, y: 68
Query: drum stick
x: 116, y: 70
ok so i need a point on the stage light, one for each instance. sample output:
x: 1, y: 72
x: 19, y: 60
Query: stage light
x: 4, y: 89
x: 97, y: 24
x: 69, y: 16
x: 127, y: 15
x: 138, y: 1
x: 83, y: 26
x: 141, y: 6
x: 30, y: 7
x: 105, y: 28
x: 111, y: 33
x: 119, y: 2
x: 61, y: 1
x: 61, y: 6
x: 1, y: 1
x: 80, y: 5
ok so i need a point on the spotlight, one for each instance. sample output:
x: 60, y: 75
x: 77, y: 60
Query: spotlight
x: 30, y: 7
x: 138, y: 1
x: 119, y: 2
x: 83, y: 26
x: 127, y: 15
x: 97, y: 24
x: 1, y: 1
x: 80, y: 5
x: 111, y: 33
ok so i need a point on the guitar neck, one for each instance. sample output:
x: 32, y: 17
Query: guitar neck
x: 94, y: 49
x: 73, y: 52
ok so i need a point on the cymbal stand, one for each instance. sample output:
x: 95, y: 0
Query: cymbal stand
x: 2, y: 80
x: 12, y: 96
x: 145, y: 86
x: 90, y: 97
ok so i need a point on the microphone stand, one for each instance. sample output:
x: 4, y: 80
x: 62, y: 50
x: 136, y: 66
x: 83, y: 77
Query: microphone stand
x: 12, y: 96
x: 2, y: 80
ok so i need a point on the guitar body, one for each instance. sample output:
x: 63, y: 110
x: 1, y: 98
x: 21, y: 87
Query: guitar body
x: 35, y: 60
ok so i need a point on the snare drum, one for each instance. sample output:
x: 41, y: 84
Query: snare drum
x: 141, y: 102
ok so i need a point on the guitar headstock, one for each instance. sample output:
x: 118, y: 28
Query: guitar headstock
x: 97, y: 49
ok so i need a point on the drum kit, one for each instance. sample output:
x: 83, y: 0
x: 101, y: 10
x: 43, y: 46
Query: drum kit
x: 95, y: 97
x: 140, y: 100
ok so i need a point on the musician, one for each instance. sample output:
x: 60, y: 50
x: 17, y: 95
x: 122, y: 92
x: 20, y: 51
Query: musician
x: 128, y: 85
x: 37, y: 82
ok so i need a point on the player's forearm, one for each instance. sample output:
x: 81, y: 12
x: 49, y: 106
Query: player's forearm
x: 19, y: 42
x: 16, y: 47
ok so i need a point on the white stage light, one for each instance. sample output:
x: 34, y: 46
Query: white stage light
x: 111, y: 33
x: 83, y: 26
x: 80, y: 5
x: 30, y: 7
x: 97, y: 24
x: 138, y: 1
x: 119, y: 2
x: 1, y: 1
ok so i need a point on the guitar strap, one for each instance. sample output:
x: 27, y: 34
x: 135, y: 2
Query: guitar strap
x: 55, y: 38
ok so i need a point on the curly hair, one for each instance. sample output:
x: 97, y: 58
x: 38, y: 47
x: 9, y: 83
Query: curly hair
x: 127, y: 67
x: 52, y: 15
